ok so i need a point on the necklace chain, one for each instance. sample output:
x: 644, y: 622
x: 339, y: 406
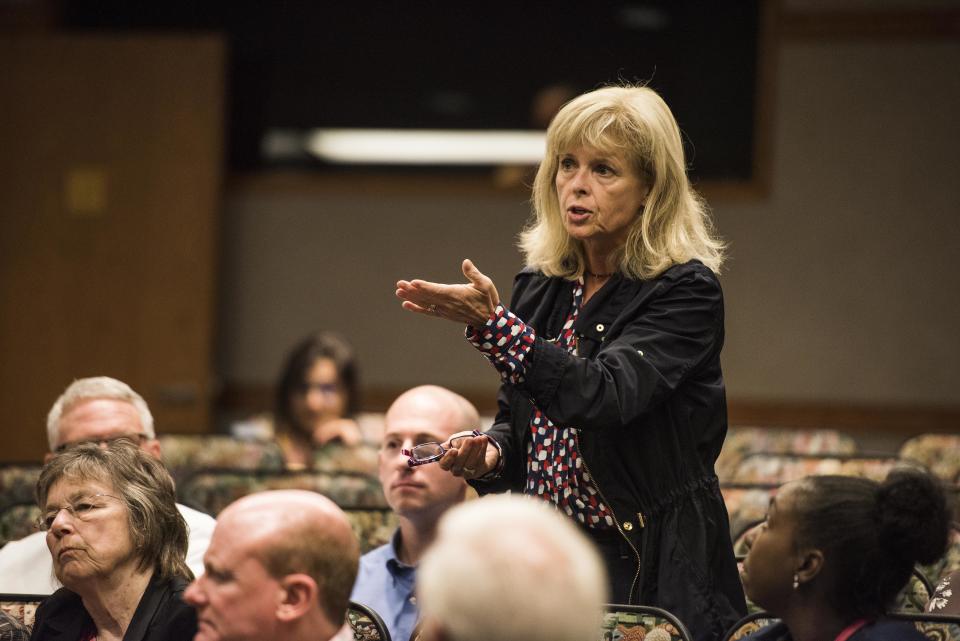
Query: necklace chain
x: 589, y: 273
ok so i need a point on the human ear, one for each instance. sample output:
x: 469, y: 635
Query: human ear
x: 299, y: 594
x: 152, y: 447
x: 811, y: 563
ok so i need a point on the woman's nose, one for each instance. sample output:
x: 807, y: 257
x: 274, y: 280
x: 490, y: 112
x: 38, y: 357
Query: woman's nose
x: 62, y: 522
x: 578, y: 182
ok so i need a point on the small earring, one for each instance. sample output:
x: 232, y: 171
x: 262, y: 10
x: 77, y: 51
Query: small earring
x: 796, y: 580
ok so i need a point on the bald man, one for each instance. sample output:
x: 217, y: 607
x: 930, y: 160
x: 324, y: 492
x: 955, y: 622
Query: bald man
x: 280, y: 566
x: 418, y: 495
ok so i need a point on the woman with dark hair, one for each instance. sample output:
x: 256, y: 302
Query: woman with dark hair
x: 835, y: 551
x: 316, y: 398
x: 118, y: 544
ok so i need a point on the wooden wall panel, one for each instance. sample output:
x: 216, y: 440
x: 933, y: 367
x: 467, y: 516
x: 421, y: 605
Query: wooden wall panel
x: 110, y: 176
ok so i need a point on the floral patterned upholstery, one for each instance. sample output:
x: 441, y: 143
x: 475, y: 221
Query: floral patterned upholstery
x: 17, y: 482
x: 946, y: 596
x: 936, y: 627
x: 337, y: 457
x: 641, y: 623
x: 781, y: 468
x: 212, y: 490
x: 373, y: 526
x: 914, y: 595
x: 940, y: 453
x: 17, y: 521
x: 749, y: 624
x: 21, y: 608
x: 184, y: 453
x: 12, y: 630
x: 741, y: 441
x: 746, y: 504
x: 366, y: 624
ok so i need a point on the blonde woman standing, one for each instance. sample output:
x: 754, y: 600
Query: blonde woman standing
x: 612, y: 405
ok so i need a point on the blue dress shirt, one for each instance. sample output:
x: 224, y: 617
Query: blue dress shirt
x: 386, y: 584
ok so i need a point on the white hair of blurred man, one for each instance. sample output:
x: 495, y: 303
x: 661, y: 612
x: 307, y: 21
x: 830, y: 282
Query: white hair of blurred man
x: 510, y: 568
x: 97, y: 387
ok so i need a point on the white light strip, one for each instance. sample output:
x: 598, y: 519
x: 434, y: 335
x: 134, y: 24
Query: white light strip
x: 426, y: 146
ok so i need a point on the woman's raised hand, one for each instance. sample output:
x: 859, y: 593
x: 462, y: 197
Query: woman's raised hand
x: 474, y: 458
x: 470, y: 303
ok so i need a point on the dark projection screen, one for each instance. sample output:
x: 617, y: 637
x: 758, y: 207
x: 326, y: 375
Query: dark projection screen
x: 301, y: 65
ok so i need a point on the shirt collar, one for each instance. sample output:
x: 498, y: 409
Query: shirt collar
x: 394, y: 565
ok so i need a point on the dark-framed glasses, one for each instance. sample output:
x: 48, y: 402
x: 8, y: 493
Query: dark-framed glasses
x: 80, y: 508
x: 433, y: 451
x: 138, y: 437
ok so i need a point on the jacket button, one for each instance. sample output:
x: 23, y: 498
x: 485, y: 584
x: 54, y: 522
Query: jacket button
x: 600, y: 327
x: 628, y: 526
x: 640, y: 351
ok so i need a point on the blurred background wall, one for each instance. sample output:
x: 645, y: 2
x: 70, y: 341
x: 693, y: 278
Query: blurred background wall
x: 841, y: 306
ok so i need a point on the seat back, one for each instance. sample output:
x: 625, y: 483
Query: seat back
x: 915, y: 594
x: 184, y: 453
x: 749, y: 624
x: 747, y: 504
x: 741, y: 441
x: 211, y: 490
x: 11, y: 629
x: 946, y: 595
x: 373, y: 526
x: 937, y: 627
x: 366, y: 624
x: 939, y: 453
x: 657, y: 624
x: 18, y: 482
x: 17, y: 520
x: 22, y: 608
x: 781, y: 468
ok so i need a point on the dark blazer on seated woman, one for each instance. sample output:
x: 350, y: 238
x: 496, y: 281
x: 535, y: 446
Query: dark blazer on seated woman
x: 161, y: 616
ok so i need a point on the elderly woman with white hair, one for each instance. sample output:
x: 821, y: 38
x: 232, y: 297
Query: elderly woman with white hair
x: 612, y: 405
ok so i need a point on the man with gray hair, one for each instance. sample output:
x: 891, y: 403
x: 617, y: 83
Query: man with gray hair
x: 98, y: 409
x: 510, y: 568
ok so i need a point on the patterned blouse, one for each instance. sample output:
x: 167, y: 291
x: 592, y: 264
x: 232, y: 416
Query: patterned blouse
x: 555, y: 469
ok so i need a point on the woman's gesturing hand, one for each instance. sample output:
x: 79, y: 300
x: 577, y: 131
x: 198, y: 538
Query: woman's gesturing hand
x: 470, y: 303
x: 474, y: 458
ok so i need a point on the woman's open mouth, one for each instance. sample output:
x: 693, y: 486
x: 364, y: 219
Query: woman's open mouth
x: 578, y: 214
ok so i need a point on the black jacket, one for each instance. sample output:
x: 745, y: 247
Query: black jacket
x: 161, y: 615
x: 646, y: 392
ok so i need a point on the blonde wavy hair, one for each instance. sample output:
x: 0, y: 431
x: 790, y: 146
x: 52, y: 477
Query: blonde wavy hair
x: 675, y: 224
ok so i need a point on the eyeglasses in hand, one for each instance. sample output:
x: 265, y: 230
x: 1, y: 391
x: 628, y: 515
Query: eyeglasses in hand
x: 433, y: 451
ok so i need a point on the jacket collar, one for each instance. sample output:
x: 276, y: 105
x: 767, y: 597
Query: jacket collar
x: 69, y: 621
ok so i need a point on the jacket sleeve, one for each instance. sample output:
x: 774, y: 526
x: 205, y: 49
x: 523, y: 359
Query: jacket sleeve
x: 653, y: 348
